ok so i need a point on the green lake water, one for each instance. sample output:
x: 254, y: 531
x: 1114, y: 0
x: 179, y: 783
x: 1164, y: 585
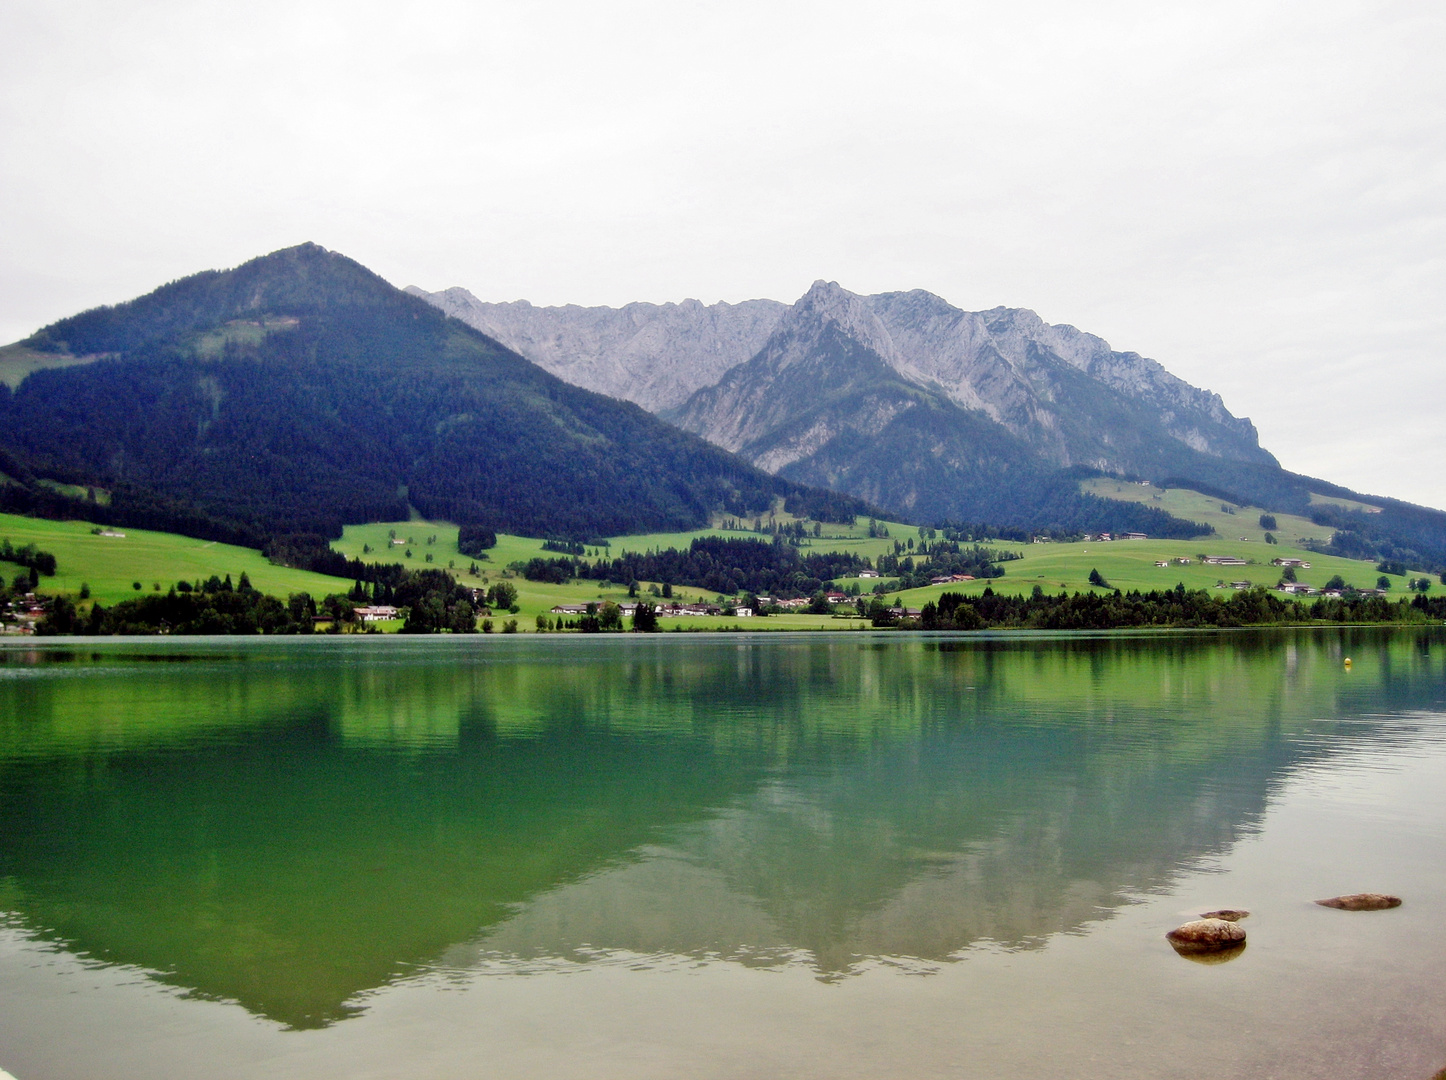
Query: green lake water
x: 828, y: 855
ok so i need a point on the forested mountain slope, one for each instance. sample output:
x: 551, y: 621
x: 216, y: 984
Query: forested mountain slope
x: 300, y: 391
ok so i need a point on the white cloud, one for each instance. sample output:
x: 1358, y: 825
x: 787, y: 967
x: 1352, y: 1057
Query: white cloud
x: 1252, y: 193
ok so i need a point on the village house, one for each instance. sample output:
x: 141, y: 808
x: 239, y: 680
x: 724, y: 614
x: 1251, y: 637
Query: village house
x: 1296, y: 588
x: 1291, y: 562
x: 868, y: 573
x: 1135, y: 536
x: 377, y: 613
x: 1224, y: 560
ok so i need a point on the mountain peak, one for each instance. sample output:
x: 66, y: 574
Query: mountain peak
x: 827, y: 303
x: 303, y: 279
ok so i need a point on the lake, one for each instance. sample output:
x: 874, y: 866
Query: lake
x: 812, y: 855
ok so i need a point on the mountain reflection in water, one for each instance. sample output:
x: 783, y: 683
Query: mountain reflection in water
x: 290, y: 825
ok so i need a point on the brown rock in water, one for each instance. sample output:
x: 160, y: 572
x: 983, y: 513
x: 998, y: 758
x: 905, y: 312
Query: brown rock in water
x: 1206, y: 935
x: 1229, y: 914
x: 1364, y: 901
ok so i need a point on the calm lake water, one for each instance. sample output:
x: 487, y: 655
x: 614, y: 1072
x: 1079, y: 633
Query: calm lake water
x: 721, y: 856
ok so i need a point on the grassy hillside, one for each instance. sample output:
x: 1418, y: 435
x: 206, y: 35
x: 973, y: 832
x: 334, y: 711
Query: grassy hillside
x: 1229, y: 520
x: 18, y: 361
x: 111, y: 564
x: 1130, y: 564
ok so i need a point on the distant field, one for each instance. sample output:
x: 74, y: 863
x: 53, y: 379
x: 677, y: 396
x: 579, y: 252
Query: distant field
x: 1348, y: 504
x: 1130, y: 564
x: 836, y: 538
x: 1193, y: 506
x: 17, y: 361
x: 111, y: 564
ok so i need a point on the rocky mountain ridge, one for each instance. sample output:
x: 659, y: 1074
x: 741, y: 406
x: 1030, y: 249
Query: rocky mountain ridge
x: 1003, y: 362
x: 655, y: 355
x: 1066, y: 394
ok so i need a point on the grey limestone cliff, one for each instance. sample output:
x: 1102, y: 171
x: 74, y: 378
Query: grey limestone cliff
x: 653, y: 354
x: 1066, y: 394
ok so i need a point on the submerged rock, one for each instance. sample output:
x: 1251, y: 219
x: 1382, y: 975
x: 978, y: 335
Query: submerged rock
x: 1206, y: 936
x: 1219, y: 956
x: 1364, y: 901
x: 1229, y: 914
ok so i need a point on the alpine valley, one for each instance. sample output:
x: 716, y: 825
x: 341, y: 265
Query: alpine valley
x: 300, y: 393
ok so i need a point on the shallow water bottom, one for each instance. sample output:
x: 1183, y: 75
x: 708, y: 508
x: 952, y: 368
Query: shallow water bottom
x: 1316, y: 992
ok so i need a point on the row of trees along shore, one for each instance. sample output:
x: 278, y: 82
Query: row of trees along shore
x: 432, y: 605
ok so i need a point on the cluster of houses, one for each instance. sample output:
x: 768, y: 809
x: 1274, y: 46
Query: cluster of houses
x: 945, y: 579
x: 1300, y: 588
x: 22, y: 614
x: 1090, y: 538
x: 629, y: 607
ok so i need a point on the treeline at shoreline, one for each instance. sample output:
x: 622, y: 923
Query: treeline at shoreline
x: 1177, y: 607
x: 434, y: 603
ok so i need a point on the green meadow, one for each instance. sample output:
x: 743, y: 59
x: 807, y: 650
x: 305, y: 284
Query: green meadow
x: 111, y: 565
x: 1130, y: 564
x: 17, y: 362
x: 1230, y: 521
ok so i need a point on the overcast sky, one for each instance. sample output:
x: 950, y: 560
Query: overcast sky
x: 1252, y: 193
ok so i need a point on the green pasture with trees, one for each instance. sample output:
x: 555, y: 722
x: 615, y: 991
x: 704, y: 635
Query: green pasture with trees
x: 108, y: 567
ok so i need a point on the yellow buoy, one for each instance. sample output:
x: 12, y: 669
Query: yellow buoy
x: 1348, y: 661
